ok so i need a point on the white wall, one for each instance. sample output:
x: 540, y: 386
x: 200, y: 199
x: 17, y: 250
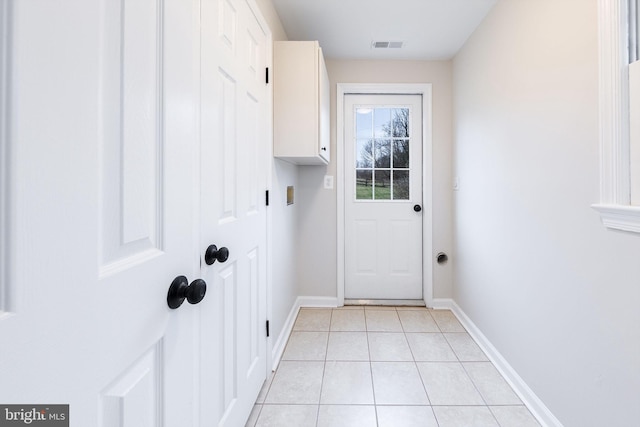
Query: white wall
x: 283, y: 231
x: 554, y: 291
x: 317, y: 265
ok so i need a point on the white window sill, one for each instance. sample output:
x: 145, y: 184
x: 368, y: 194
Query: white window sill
x: 620, y: 217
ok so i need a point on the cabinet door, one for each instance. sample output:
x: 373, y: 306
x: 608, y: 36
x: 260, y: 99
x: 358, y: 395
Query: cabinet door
x: 301, y: 103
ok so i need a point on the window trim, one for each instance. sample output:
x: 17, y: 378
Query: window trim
x: 615, y: 206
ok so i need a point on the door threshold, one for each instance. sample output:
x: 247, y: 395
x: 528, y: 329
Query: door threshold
x: 386, y: 302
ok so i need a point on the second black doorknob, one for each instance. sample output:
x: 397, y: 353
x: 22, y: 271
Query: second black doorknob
x: 213, y: 254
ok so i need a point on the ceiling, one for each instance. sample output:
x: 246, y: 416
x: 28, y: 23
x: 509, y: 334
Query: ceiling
x: 430, y: 29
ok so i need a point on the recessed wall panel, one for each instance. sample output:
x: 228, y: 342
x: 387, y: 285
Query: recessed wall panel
x: 131, y: 132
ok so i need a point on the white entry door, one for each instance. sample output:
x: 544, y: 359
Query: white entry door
x: 98, y: 107
x: 383, y: 197
x: 233, y: 163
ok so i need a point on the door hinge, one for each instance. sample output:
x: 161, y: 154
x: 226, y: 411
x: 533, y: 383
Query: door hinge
x: 267, y: 75
x: 266, y: 197
x: 267, y: 328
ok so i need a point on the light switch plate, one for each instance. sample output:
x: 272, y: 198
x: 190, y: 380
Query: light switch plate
x: 328, y: 182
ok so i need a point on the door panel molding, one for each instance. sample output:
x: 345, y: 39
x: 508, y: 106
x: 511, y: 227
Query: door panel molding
x: 5, y: 154
x: 425, y: 90
x: 136, y: 395
x: 132, y: 141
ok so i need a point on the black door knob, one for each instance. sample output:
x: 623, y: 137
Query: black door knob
x: 214, y: 254
x: 180, y: 290
x: 417, y: 208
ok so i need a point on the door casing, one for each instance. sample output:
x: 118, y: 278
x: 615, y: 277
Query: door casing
x: 424, y: 89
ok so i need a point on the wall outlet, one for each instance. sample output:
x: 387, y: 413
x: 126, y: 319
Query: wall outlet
x: 328, y: 182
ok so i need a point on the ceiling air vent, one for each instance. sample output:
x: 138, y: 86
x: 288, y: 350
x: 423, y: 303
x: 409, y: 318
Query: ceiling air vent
x: 387, y: 45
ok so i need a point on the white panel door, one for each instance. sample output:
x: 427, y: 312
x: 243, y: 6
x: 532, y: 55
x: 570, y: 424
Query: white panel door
x: 99, y: 136
x: 233, y: 216
x: 383, y: 197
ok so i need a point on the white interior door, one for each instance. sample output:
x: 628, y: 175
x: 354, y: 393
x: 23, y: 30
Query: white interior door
x: 383, y: 197
x: 233, y: 169
x: 100, y: 128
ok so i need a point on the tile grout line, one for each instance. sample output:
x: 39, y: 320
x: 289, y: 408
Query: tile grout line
x: 324, y: 368
x: 373, y: 386
x: 415, y: 362
x: 486, y: 405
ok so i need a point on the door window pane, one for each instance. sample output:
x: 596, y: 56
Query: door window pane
x: 400, y: 122
x: 364, y: 123
x: 364, y: 185
x: 401, y: 153
x: 364, y: 153
x: 382, y: 122
x: 400, y: 185
x: 382, y: 185
x: 383, y: 153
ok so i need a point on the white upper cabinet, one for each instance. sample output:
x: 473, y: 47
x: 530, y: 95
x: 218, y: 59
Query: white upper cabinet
x: 301, y: 103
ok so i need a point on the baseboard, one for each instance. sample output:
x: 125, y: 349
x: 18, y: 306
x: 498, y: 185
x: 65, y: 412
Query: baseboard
x: 280, y: 344
x: 442, y: 304
x: 535, y: 405
x: 318, y: 302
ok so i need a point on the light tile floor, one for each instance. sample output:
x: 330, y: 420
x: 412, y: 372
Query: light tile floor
x: 385, y: 367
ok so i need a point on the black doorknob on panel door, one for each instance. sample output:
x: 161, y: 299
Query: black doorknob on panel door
x: 180, y: 290
x: 213, y: 254
x: 417, y: 208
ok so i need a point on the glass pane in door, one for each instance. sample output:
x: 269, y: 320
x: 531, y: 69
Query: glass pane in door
x: 382, y: 153
x: 382, y: 185
x: 364, y: 185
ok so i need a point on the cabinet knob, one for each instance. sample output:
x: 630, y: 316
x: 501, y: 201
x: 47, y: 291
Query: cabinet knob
x: 324, y: 148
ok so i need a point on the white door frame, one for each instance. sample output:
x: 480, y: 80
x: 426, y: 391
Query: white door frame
x: 425, y: 90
